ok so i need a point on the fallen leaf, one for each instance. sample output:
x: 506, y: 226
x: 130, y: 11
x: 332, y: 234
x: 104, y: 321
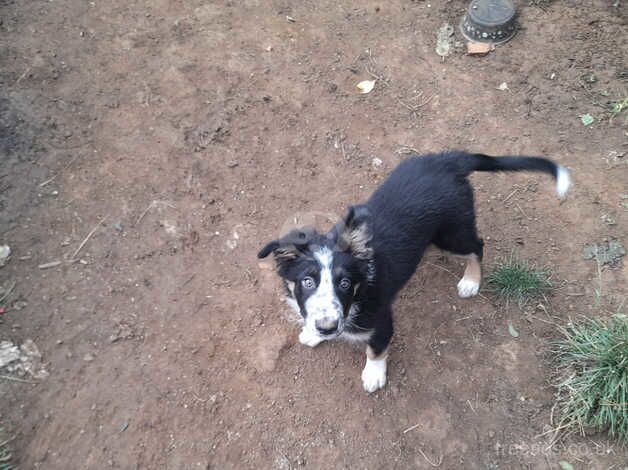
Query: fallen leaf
x: 565, y: 465
x: 511, y: 329
x: 479, y: 48
x: 587, y: 119
x: 366, y: 86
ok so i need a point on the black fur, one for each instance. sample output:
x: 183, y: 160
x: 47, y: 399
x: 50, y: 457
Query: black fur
x: 425, y: 200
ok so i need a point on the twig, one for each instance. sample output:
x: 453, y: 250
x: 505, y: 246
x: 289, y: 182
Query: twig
x: 554, y: 430
x: 8, y: 292
x: 406, y: 149
x: 440, y: 460
x: 52, y: 264
x: 440, y: 267
x: 511, y: 195
x: 415, y: 108
x: 196, y: 397
x: 524, y: 214
x: 150, y: 206
x: 599, y: 271
x: 188, y: 281
x: 139, y: 219
x: 471, y: 406
x: 22, y: 76
x: 420, y: 105
x: 544, y: 321
x: 405, y: 105
x: 552, y: 414
x: 49, y: 180
x: 15, y: 379
x: 411, y: 428
x: 89, y: 235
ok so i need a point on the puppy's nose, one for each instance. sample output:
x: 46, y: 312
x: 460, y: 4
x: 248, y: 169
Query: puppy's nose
x: 326, y: 326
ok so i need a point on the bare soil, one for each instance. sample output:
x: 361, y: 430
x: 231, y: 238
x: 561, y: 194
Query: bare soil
x: 197, y: 130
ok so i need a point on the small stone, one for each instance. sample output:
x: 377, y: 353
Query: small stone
x: 232, y: 163
x: 118, y: 226
x: 88, y: 357
x: 377, y: 162
x: 5, y: 254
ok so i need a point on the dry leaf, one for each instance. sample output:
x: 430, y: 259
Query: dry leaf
x: 479, y: 48
x: 366, y: 86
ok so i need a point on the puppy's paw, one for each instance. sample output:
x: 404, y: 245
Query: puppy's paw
x: 308, y: 338
x: 374, y: 375
x: 468, y: 288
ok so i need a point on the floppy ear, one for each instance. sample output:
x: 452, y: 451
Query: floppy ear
x: 288, y: 247
x: 354, y: 232
x: 282, y: 251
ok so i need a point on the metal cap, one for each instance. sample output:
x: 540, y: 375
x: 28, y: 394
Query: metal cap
x: 489, y: 21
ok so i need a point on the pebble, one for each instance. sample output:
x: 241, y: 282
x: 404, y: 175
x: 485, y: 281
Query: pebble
x: 5, y: 253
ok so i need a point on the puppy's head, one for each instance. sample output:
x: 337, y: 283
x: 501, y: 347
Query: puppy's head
x: 326, y: 274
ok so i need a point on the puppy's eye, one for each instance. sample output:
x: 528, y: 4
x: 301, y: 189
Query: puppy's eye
x: 344, y: 283
x: 308, y: 283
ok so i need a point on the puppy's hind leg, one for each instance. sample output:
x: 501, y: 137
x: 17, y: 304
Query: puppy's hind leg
x: 461, y: 239
x: 469, y: 285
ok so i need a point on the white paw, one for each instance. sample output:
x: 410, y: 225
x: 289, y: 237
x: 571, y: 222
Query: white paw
x: 468, y: 288
x: 308, y: 338
x: 374, y: 374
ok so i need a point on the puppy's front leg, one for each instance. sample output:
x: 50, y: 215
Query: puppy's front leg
x: 374, y: 372
x: 308, y: 338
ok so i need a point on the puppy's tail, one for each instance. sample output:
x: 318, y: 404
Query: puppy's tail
x: 480, y: 162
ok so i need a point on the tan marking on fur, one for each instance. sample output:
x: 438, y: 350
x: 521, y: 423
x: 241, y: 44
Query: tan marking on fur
x: 291, y: 286
x: 473, y: 271
x: 371, y: 354
x: 286, y: 253
x: 358, y: 239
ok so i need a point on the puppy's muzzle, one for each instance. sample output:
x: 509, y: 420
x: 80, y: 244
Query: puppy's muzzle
x: 326, y: 326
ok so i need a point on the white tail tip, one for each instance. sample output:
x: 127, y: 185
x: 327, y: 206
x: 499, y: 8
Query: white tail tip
x: 563, y: 181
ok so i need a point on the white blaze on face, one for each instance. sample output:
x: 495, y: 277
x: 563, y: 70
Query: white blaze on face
x: 323, y: 305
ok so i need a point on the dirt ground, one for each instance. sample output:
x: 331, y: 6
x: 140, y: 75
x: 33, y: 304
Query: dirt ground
x: 195, y: 131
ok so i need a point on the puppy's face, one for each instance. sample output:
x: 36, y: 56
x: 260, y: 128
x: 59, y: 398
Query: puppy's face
x: 324, y: 274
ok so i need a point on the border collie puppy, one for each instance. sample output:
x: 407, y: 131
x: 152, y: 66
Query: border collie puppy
x: 343, y: 283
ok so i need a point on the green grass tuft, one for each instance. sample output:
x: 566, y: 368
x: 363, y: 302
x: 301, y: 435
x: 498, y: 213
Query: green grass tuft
x: 515, y: 280
x: 592, y: 359
x: 618, y: 107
